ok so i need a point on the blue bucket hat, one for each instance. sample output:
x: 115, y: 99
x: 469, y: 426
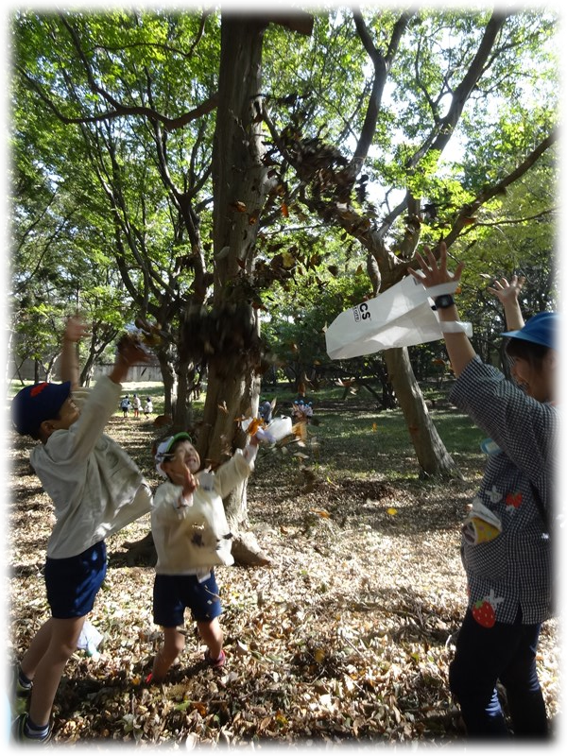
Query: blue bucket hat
x: 541, y: 329
x: 34, y: 404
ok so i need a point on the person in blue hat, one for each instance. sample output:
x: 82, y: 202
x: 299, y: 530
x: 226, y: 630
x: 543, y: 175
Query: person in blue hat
x: 506, y: 543
x: 96, y: 489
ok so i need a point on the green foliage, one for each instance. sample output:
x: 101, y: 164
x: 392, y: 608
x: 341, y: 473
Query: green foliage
x: 112, y: 201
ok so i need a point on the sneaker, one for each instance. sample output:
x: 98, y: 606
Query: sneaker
x: 20, y: 694
x: 20, y: 735
x: 215, y: 663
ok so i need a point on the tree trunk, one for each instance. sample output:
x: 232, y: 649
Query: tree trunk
x: 238, y: 390
x: 49, y: 370
x: 433, y: 457
x: 240, y: 189
x: 169, y: 378
x: 183, y: 417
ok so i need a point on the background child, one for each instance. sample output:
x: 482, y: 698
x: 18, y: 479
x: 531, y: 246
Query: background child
x: 191, y: 535
x: 265, y: 411
x: 96, y: 490
x: 125, y: 405
x: 136, y: 405
x: 506, y: 545
x: 148, y: 406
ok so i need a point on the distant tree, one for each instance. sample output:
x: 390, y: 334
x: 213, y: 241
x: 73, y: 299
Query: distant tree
x: 435, y: 75
x: 182, y: 147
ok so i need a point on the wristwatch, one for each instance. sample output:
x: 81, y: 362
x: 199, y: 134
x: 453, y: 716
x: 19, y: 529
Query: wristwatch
x: 443, y: 301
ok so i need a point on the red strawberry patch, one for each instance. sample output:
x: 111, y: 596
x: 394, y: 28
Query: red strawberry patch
x: 483, y: 612
x: 514, y: 500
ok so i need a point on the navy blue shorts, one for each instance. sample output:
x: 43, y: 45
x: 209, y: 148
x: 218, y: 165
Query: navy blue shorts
x: 72, y: 583
x: 174, y: 593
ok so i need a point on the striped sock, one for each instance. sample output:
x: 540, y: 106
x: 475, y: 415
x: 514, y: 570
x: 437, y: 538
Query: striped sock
x: 23, y: 680
x: 36, y: 732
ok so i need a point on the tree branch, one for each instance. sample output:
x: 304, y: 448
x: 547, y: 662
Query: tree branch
x: 365, y: 36
x: 515, y: 221
x: 381, y: 69
x: 493, y: 191
x: 296, y: 21
x: 444, y: 128
x: 171, y: 124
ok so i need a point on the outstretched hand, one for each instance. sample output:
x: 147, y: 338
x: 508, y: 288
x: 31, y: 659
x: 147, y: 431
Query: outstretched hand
x: 508, y: 291
x: 435, y: 272
x: 75, y: 329
x: 131, y: 351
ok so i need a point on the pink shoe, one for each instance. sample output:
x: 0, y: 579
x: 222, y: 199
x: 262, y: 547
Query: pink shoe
x: 215, y: 663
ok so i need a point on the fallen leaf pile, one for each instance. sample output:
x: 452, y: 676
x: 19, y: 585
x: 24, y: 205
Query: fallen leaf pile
x: 344, y: 638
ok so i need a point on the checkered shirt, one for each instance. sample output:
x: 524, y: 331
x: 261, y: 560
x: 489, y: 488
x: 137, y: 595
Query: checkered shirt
x: 516, y: 567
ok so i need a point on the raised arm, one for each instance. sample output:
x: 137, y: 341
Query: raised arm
x: 129, y: 354
x: 508, y: 294
x: 69, y: 369
x: 459, y: 348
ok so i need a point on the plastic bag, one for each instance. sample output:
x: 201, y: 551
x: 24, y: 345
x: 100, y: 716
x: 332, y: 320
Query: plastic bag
x: 89, y: 639
x: 400, y: 316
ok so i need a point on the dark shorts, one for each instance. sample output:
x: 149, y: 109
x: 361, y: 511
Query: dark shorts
x: 174, y: 593
x: 72, y: 583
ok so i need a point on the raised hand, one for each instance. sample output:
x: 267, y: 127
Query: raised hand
x: 75, y: 329
x: 131, y: 351
x: 508, y: 294
x: 435, y: 272
x: 507, y: 291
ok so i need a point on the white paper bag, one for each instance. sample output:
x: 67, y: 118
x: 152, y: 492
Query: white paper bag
x: 279, y: 428
x: 400, y: 316
x: 89, y: 639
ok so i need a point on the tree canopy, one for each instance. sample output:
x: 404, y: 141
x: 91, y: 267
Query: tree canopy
x: 370, y: 131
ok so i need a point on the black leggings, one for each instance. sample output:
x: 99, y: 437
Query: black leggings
x: 505, y: 652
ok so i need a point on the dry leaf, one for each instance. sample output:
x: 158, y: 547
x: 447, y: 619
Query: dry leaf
x: 321, y: 512
x: 191, y: 741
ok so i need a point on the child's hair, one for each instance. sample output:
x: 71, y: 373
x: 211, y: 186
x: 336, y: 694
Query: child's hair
x: 533, y: 353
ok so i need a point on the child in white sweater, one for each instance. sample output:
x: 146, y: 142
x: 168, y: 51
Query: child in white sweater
x: 96, y: 490
x: 191, y: 535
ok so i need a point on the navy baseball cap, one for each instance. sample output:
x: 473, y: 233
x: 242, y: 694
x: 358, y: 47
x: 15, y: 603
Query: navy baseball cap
x: 541, y: 329
x: 34, y: 404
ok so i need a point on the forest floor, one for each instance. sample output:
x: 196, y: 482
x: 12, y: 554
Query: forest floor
x: 343, y: 639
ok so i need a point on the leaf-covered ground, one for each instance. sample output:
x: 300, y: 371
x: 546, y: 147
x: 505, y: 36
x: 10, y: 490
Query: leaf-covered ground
x: 345, y: 638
